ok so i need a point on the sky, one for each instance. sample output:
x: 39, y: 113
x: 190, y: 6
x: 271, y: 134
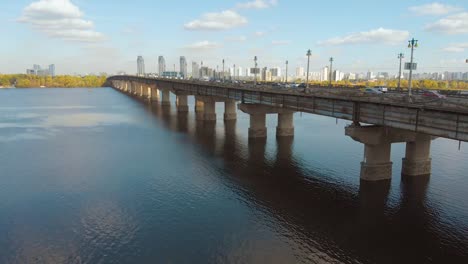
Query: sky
x: 90, y: 36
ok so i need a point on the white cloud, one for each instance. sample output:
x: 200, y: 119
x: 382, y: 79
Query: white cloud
x: 453, y: 24
x: 236, y: 39
x: 217, y: 21
x: 203, y: 45
x: 377, y: 36
x: 435, y: 8
x: 280, y: 42
x: 60, y: 19
x: 260, y: 33
x: 257, y: 4
x: 457, y: 47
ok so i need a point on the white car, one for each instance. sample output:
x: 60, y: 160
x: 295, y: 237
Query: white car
x: 383, y: 89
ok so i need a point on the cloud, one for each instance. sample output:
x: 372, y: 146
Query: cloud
x: 454, y: 24
x: 260, y: 33
x: 236, y: 39
x: 60, y: 19
x: 280, y: 42
x: 435, y: 8
x: 217, y: 21
x: 380, y: 35
x: 257, y: 4
x: 457, y: 47
x: 203, y: 45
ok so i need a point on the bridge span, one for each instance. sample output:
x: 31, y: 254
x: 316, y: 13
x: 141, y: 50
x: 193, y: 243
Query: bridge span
x: 377, y: 120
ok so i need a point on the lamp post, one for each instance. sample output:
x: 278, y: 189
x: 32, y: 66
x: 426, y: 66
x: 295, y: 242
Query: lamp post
x: 400, y: 57
x: 413, y: 43
x: 223, y: 72
x: 309, y: 53
x: 234, y: 77
x: 255, y: 70
x: 287, y: 71
x: 331, y: 71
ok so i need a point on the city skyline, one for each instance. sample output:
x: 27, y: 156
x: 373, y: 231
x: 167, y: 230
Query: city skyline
x: 87, y: 39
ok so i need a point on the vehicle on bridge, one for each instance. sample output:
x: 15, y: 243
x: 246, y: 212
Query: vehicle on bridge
x: 381, y: 88
x: 372, y: 91
x: 433, y: 94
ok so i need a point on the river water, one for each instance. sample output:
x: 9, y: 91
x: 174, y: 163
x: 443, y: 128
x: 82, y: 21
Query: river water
x: 96, y: 176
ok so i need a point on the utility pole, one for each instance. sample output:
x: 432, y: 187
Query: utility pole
x: 413, y: 43
x: 234, y: 72
x: 400, y: 56
x: 309, y: 53
x: 223, y: 72
x: 255, y: 70
x: 331, y: 70
x: 287, y: 71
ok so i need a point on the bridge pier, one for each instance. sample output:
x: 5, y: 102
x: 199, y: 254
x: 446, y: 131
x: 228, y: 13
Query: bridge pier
x: 209, y: 110
x: 155, y: 94
x: 377, y: 151
x: 417, y: 161
x: 182, y: 103
x: 230, y: 111
x: 258, y: 114
x: 285, y: 126
x: 165, y: 98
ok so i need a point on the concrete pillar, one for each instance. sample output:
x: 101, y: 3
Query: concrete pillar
x: 377, y: 164
x: 257, y: 127
x: 165, y: 100
x: 285, y: 126
x: 182, y: 103
x: 209, y: 110
x: 155, y: 94
x: 126, y: 87
x: 230, y: 111
x: 199, y: 105
x: 417, y: 161
x: 141, y: 90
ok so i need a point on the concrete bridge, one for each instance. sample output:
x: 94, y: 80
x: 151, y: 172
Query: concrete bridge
x: 377, y: 120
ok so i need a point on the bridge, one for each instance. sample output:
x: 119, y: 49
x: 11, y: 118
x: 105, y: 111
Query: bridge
x: 377, y: 120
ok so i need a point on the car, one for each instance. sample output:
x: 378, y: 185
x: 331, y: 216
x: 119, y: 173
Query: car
x: 383, y: 89
x: 433, y: 94
x: 372, y: 91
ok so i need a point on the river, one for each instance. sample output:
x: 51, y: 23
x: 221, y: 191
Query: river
x: 96, y: 176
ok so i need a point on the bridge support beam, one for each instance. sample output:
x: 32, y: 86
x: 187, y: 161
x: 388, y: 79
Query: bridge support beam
x: 165, y: 98
x: 155, y: 94
x: 230, y: 110
x: 182, y: 103
x: 285, y: 126
x: 417, y: 161
x: 199, y: 105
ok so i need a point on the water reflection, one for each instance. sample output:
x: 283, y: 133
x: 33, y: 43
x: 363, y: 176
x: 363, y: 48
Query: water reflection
x: 323, y: 221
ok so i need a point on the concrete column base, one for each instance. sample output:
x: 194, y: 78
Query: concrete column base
x: 182, y: 108
x: 230, y: 116
x: 165, y: 103
x: 376, y: 172
x: 257, y: 132
x: 416, y: 167
x: 284, y: 132
x: 209, y: 117
x: 200, y: 116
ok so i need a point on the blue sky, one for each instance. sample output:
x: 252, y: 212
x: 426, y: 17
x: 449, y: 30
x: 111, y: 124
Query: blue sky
x: 85, y: 36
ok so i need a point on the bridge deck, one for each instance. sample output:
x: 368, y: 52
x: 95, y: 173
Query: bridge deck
x: 443, y: 118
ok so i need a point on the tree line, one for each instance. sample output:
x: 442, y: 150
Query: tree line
x: 62, y: 81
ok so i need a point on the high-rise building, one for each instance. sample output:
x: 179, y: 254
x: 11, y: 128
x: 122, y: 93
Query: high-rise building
x: 183, y: 67
x: 195, y: 70
x: 275, y: 72
x: 325, y: 74
x: 299, y: 72
x: 140, y: 66
x: 52, y: 70
x: 161, y: 65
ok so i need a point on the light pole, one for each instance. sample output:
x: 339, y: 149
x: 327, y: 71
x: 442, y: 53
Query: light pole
x: 287, y: 71
x: 234, y: 72
x: 331, y: 70
x: 400, y: 56
x: 309, y: 53
x: 223, y: 72
x: 255, y: 70
x: 413, y: 43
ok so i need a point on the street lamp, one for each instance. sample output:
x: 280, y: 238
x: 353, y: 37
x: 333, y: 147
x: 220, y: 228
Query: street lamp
x: 331, y: 70
x: 223, y: 72
x: 255, y: 70
x: 413, y: 43
x: 287, y: 71
x: 234, y: 72
x: 309, y: 53
x: 400, y: 56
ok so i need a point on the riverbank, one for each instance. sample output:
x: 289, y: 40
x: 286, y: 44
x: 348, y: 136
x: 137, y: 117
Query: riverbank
x: 61, y: 81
